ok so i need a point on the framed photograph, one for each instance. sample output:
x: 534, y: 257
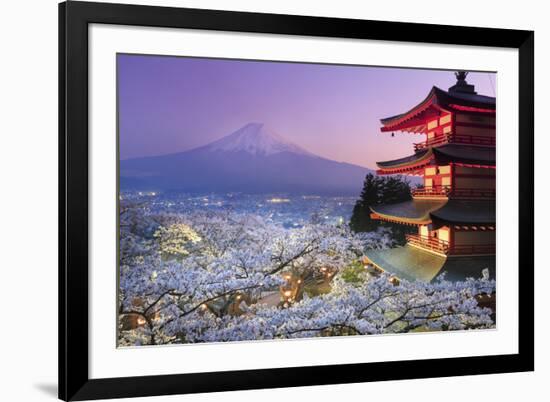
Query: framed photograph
x: 258, y: 201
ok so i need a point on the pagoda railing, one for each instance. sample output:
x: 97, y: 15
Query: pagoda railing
x: 446, y: 191
x: 435, y: 191
x: 443, y: 247
x: 431, y: 142
x: 429, y: 243
x: 451, y: 138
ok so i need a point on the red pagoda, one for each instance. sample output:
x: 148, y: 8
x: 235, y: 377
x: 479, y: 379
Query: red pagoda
x: 454, y: 210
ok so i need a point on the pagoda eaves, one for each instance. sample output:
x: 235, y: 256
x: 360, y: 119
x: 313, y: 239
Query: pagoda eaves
x: 473, y: 156
x: 454, y: 210
x: 441, y: 210
x: 437, y: 103
x: 413, y: 263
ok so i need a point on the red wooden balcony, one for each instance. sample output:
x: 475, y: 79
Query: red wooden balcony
x: 443, y: 247
x: 446, y: 191
x: 427, y: 192
x: 451, y: 138
x: 429, y: 243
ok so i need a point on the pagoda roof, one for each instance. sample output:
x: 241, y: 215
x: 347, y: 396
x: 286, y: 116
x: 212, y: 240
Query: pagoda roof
x: 444, y: 154
x: 466, y: 212
x: 415, y: 211
x: 415, y: 159
x: 434, y: 104
x: 469, y: 154
x: 412, y: 263
x: 424, y: 211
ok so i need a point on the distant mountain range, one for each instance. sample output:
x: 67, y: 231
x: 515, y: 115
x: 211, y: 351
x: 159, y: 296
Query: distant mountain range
x: 251, y: 160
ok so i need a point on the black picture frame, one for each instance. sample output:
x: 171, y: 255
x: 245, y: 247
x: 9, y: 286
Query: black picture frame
x: 74, y: 18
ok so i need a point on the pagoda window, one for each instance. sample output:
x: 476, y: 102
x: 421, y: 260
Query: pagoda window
x: 447, y: 129
x: 428, y: 182
x: 445, y: 119
x: 445, y: 169
x: 432, y: 124
x: 444, y: 234
x: 446, y: 181
x: 430, y: 171
x: 424, y: 231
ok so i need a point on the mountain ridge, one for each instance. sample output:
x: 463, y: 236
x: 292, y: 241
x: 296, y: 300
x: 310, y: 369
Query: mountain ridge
x: 255, y: 138
x: 252, y: 159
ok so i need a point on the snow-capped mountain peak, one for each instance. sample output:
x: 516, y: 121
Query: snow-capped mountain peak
x: 251, y: 160
x: 256, y: 139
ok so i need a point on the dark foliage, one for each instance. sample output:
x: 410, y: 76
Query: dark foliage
x: 380, y: 190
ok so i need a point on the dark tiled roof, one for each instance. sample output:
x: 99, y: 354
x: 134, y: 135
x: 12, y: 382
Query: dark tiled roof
x: 413, y: 211
x: 489, y: 102
x: 411, y: 263
x: 419, y: 211
x: 460, y: 268
x: 467, y: 212
x: 465, y: 154
x: 445, y: 154
x: 418, y: 156
x: 408, y: 262
x: 443, y: 98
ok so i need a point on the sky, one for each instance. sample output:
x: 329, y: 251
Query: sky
x: 173, y: 104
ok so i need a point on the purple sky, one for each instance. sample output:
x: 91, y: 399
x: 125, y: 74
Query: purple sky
x: 172, y: 104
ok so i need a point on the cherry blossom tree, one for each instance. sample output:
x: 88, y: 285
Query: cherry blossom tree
x: 199, y: 277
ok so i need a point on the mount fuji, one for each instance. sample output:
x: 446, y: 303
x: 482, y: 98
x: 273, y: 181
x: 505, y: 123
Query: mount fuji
x: 251, y: 160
